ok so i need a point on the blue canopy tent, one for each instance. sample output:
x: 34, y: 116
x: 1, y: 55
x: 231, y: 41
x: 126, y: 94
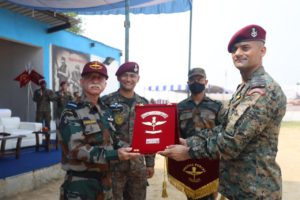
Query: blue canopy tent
x: 115, y: 7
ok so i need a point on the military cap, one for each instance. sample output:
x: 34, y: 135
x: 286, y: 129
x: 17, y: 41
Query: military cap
x: 42, y: 81
x: 128, y: 67
x: 197, y: 71
x: 249, y: 33
x: 62, y: 83
x: 94, y: 67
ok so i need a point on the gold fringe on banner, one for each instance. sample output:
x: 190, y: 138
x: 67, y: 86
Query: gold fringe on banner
x: 164, y: 193
x: 195, y: 194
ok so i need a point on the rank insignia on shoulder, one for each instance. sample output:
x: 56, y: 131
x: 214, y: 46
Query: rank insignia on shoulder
x: 261, y: 91
x: 119, y: 119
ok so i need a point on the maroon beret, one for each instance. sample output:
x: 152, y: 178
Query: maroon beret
x: 249, y: 33
x: 62, y: 83
x: 42, y: 81
x: 94, y: 67
x: 128, y: 67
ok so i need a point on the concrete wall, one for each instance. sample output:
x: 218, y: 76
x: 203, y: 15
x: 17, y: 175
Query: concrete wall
x: 29, y: 181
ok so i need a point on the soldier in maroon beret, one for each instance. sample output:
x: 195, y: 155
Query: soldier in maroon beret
x: 128, y: 67
x: 249, y: 33
x: 129, y: 177
x: 247, y: 139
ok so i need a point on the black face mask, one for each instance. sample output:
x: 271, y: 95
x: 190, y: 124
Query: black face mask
x: 196, y: 87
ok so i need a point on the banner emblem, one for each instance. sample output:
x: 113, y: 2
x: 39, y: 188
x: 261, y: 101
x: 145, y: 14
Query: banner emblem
x: 194, y: 170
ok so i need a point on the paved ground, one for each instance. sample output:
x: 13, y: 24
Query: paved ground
x: 288, y: 158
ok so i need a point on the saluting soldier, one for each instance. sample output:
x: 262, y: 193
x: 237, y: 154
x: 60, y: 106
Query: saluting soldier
x: 247, y: 140
x: 43, y: 97
x: 62, y: 97
x: 87, y: 138
x: 199, y: 112
x: 129, y: 177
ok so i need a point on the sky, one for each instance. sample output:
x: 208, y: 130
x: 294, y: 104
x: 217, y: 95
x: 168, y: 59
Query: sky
x: 159, y: 43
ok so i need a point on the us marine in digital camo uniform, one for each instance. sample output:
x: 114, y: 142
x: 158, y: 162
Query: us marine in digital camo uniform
x: 87, y: 139
x: 199, y: 112
x: 129, y: 177
x: 247, y: 140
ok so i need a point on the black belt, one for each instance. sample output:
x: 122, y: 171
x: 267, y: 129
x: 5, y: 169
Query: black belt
x: 86, y: 174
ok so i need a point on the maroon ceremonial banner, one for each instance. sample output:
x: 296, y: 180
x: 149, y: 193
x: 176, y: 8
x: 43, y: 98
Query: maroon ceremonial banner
x: 155, y: 127
x: 197, y: 178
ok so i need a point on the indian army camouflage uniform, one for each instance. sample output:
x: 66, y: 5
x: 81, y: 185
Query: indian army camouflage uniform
x: 86, y: 137
x: 43, y: 109
x: 193, y: 117
x: 131, y: 171
x: 247, y: 140
x: 61, y: 98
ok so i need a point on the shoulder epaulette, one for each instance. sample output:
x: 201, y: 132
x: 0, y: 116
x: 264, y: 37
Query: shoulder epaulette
x: 257, y: 82
x: 74, y: 105
x: 183, y: 101
x: 257, y: 85
x: 71, y: 105
x: 213, y: 104
x: 108, y: 96
x: 141, y: 98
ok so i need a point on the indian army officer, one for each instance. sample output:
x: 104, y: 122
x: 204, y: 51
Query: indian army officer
x: 62, y: 97
x: 87, y: 139
x: 199, y: 112
x: 43, y: 98
x: 247, y: 140
x: 129, y: 177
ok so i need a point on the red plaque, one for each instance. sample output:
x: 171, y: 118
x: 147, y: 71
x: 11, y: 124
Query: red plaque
x: 155, y: 127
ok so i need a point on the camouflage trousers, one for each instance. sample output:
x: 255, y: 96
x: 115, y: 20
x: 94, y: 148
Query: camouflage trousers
x: 43, y: 117
x: 129, y: 184
x: 79, y: 188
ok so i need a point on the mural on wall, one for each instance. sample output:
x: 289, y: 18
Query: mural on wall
x: 67, y: 65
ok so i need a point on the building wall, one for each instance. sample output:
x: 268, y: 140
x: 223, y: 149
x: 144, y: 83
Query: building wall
x: 24, y: 43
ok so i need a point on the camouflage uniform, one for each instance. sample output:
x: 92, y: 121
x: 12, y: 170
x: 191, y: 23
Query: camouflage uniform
x: 197, y: 117
x: 43, y: 109
x: 61, y: 98
x: 86, y: 134
x: 247, y: 140
x: 129, y: 177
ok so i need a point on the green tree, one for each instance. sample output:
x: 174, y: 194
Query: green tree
x: 77, y: 28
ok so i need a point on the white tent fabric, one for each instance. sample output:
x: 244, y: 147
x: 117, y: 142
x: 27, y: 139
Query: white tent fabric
x: 114, y: 7
x: 106, y: 7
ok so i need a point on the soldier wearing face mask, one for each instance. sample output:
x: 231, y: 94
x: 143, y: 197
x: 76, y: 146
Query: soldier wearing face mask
x: 199, y: 112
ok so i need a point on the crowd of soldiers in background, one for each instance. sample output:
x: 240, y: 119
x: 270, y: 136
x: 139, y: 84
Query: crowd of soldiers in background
x: 43, y: 96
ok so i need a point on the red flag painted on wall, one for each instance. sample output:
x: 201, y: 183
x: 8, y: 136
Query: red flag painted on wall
x: 23, y: 78
x: 35, y: 76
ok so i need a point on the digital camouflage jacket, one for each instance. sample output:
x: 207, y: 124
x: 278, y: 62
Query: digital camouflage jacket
x: 247, y: 140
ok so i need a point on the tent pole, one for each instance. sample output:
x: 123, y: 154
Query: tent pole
x: 190, y: 40
x: 127, y: 26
